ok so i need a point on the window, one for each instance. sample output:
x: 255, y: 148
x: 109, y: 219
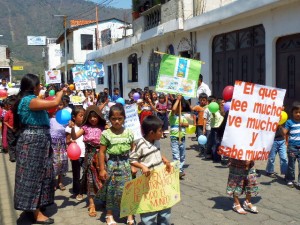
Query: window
x: 132, y: 68
x: 100, y: 80
x: 154, y: 64
x: 86, y: 42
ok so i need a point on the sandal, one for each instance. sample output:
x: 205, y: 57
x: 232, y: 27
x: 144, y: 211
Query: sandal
x: 240, y: 210
x: 112, y: 221
x: 92, y: 210
x: 130, y: 222
x: 61, y: 187
x: 249, y: 207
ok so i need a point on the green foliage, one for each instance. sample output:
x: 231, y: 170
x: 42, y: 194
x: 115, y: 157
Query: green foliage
x: 19, y: 19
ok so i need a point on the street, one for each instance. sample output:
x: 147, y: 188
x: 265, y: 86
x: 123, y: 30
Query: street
x: 204, y: 200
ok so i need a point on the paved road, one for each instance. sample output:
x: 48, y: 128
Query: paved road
x: 203, y: 197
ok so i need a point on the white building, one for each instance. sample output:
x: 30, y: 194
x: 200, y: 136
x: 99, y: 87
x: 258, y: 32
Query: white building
x: 250, y: 40
x: 5, y: 69
x: 82, y: 38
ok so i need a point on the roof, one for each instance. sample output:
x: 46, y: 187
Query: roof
x: 88, y: 23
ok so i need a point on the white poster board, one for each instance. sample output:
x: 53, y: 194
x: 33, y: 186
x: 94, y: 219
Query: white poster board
x: 252, y: 121
x: 53, y: 76
x: 132, y: 121
x: 85, y: 85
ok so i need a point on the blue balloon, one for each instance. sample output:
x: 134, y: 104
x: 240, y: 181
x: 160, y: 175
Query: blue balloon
x: 121, y: 101
x: 186, y: 97
x: 63, y: 116
x: 202, y: 139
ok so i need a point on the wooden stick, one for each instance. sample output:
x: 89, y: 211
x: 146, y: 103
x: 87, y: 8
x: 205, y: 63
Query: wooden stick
x: 162, y: 53
x: 179, y: 127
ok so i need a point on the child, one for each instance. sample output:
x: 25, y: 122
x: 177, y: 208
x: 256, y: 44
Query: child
x: 292, y: 129
x: 146, y: 107
x: 162, y: 108
x: 200, y: 123
x: 58, y: 144
x: 279, y: 147
x: 93, y: 126
x: 117, y: 142
x: 4, y: 127
x: 77, y: 117
x: 147, y: 156
x: 11, y: 134
x: 116, y: 95
x: 178, y: 123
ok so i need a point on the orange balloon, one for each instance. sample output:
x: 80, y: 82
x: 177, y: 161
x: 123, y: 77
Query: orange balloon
x: 72, y: 87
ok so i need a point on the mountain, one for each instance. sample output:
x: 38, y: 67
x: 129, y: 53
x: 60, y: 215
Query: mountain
x: 22, y: 18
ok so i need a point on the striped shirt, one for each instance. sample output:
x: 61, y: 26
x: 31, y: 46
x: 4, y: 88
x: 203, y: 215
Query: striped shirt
x: 293, y: 128
x: 147, y: 154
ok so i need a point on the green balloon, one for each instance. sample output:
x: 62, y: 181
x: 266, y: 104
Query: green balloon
x: 52, y: 93
x: 213, y: 107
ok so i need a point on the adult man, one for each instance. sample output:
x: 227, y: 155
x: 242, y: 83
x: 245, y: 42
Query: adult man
x: 3, y: 84
x: 202, y: 87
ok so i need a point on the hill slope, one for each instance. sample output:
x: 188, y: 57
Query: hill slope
x: 19, y: 19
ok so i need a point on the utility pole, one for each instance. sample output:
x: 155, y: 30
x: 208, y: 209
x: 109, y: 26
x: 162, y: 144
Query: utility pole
x: 97, y: 30
x: 65, y: 37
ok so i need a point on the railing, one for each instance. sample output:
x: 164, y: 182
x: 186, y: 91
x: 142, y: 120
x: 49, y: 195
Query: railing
x: 152, y: 17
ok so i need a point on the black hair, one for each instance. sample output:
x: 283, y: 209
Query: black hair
x: 65, y: 98
x: 28, y: 83
x: 117, y: 107
x: 11, y: 100
x: 185, y: 107
x: 102, y: 97
x: 162, y: 96
x: 76, y: 110
x: 116, y: 89
x: 203, y: 95
x: 211, y: 98
x: 151, y: 123
x: 295, y: 106
x: 200, y: 77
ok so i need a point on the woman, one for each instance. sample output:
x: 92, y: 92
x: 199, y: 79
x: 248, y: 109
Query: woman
x: 34, y: 180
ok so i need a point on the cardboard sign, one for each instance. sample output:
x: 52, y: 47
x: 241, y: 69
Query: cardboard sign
x: 178, y: 75
x: 85, y: 85
x: 77, y: 100
x: 252, y: 121
x: 160, y: 190
x: 53, y: 77
x: 132, y: 121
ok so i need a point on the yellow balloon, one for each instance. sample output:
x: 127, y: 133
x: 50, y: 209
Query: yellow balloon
x: 190, y: 129
x: 283, y: 117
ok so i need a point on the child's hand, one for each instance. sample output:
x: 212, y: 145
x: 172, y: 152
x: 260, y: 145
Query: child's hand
x: 145, y: 171
x: 168, y: 166
x: 71, y: 124
x: 103, y: 175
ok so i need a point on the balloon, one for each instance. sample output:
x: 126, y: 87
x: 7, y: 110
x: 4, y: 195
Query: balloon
x: 283, y: 117
x: 3, y: 94
x: 51, y: 92
x: 73, y: 151
x: 9, y: 84
x: 213, y: 107
x: 63, y: 116
x: 72, y: 87
x: 227, y: 93
x: 121, y: 101
x: 110, y: 104
x: 202, y: 139
x: 136, y: 96
x: 191, y: 129
x: 52, y: 110
x: 186, y: 97
x: 227, y: 106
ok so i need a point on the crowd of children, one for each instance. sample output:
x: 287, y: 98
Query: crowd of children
x: 110, y: 157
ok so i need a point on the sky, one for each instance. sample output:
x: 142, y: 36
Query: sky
x: 125, y: 4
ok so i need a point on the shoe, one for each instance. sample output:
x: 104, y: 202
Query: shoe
x: 290, y: 184
x: 79, y: 197
x: 112, y: 221
x: 47, y: 221
x: 61, y: 187
x: 272, y: 175
x: 240, y: 210
x: 12, y: 160
x: 130, y: 222
x: 181, y: 175
x: 247, y: 207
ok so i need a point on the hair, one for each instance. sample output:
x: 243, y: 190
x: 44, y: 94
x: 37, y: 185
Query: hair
x: 162, y: 96
x: 116, y: 89
x: 3, y: 79
x: 117, y: 107
x: 211, y: 98
x: 295, y: 106
x: 184, y: 105
x: 151, y: 123
x: 28, y: 84
x: 76, y: 110
x: 65, y: 98
x: 203, y: 95
x: 200, y: 77
x: 105, y: 89
x: 11, y: 100
x: 102, y: 97
x: 145, y: 93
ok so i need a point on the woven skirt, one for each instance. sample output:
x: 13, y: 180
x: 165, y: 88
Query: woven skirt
x: 60, y: 157
x: 242, y: 181
x: 34, y: 179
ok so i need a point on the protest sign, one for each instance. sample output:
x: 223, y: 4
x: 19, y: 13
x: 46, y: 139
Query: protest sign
x: 77, y: 100
x: 132, y: 121
x: 90, y: 70
x: 252, y: 121
x: 178, y: 75
x: 160, y: 190
x: 85, y: 85
x: 53, y: 77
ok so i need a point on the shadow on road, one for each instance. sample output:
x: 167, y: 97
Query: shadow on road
x: 225, y: 203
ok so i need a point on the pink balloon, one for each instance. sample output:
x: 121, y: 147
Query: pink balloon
x: 73, y: 151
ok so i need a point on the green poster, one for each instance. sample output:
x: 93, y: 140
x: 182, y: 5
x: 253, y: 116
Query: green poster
x: 178, y: 76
